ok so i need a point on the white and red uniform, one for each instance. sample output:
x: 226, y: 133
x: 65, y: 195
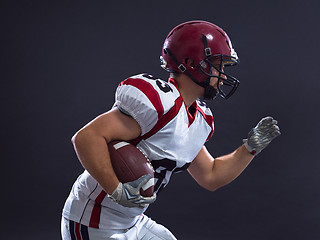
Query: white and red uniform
x: 171, y: 136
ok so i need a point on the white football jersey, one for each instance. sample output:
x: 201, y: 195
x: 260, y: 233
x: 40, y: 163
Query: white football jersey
x: 171, y: 136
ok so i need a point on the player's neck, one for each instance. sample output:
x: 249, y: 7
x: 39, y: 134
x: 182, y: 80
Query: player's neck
x: 189, y: 90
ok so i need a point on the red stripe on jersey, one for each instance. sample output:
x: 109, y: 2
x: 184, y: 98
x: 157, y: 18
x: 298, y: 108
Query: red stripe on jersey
x: 191, y: 117
x: 209, y: 120
x: 77, y: 231
x: 96, y: 211
x: 162, y: 121
x: 148, y: 90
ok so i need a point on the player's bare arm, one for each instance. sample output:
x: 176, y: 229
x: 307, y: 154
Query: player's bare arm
x: 90, y: 144
x: 213, y: 173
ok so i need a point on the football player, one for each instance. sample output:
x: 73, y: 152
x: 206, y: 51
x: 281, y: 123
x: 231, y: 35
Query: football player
x: 168, y: 123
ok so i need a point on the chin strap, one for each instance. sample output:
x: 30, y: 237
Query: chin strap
x: 181, y: 67
x: 210, y: 92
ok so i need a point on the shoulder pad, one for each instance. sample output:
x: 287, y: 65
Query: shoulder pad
x: 146, y: 99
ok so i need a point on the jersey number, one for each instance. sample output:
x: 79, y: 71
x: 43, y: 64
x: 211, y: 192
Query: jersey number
x: 163, y: 86
x: 162, y: 168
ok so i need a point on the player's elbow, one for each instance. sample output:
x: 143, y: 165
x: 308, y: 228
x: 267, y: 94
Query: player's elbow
x: 79, y: 137
x: 73, y: 139
x: 210, y: 183
x: 213, y: 185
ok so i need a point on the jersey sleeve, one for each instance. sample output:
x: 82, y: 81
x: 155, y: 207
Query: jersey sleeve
x: 139, y: 99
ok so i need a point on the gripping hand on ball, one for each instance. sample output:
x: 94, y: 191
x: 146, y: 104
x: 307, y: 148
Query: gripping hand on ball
x: 261, y: 135
x: 128, y: 194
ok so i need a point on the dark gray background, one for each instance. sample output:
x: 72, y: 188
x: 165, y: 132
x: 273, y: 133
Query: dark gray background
x: 61, y: 62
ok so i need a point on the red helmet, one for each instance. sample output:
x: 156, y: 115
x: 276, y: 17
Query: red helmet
x: 206, y: 44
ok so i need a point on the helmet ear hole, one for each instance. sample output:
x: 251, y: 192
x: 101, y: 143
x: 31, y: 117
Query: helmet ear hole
x: 190, y: 62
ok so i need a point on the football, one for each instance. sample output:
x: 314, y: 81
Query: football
x: 129, y: 164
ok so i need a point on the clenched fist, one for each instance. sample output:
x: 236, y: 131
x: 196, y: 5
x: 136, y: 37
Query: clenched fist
x: 261, y: 135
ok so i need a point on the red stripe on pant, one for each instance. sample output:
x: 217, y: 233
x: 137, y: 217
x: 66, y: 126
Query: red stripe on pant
x: 96, y: 211
x: 77, y: 231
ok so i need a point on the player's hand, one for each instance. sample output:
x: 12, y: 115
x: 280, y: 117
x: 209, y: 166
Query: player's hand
x: 261, y: 135
x: 128, y: 194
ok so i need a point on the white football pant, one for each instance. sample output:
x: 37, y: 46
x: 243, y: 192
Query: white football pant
x: 144, y: 229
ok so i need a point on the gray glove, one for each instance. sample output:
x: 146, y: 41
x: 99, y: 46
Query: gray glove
x: 261, y: 135
x: 128, y: 194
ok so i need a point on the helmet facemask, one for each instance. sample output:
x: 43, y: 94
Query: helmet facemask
x: 226, y: 84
